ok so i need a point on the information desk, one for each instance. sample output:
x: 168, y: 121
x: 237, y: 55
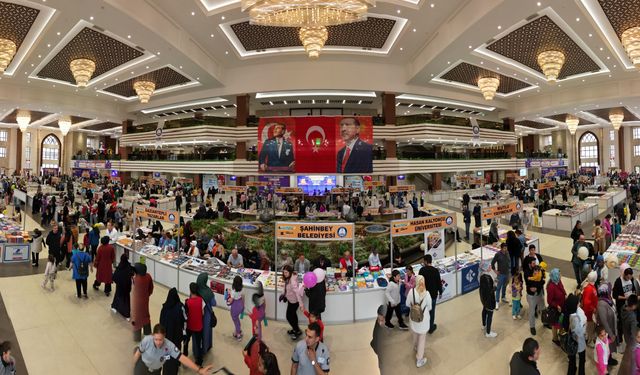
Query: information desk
x: 566, y: 219
x: 606, y: 200
x: 444, y: 195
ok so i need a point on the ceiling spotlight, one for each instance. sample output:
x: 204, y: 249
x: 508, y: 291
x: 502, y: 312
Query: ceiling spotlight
x: 144, y: 90
x: 551, y: 62
x: 488, y: 86
x: 23, y: 118
x: 631, y: 42
x: 572, y: 123
x: 64, y: 123
x: 7, y: 51
x: 616, y: 117
x: 82, y: 70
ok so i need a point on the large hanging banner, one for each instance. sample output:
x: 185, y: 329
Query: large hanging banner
x: 312, y: 144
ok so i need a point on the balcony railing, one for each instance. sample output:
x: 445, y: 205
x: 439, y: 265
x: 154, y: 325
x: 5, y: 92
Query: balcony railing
x: 181, y: 157
x: 443, y: 155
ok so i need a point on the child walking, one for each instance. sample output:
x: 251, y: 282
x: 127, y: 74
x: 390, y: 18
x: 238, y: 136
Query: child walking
x: 50, y: 272
x: 258, y: 312
x: 313, y: 318
x: 236, y: 303
x: 601, y: 352
x: 516, y: 296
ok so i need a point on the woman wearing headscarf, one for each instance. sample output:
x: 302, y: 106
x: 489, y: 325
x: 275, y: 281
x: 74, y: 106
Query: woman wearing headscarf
x: 556, y: 296
x: 104, y: 265
x: 577, y: 324
x: 493, y: 232
x: 601, y: 270
x: 173, y: 318
x: 606, y: 317
x: 210, y: 301
x: 142, y: 290
x: 122, y: 278
x: 589, y: 304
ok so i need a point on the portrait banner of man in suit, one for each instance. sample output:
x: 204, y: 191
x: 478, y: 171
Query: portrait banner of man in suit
x: 276, y: 153
x: 355, y: 151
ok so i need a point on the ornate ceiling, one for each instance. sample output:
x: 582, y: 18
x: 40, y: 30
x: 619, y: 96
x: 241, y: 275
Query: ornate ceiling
x: 534, y: 125
x: 163, y: 78
x: 563, y: 117
x: 622, y: 14
x: 469, y: 74
x: 74, y: 120
x: 542, y: 34
x: 603, y: 113
x: 107, y: 52
x: 372, y: 33
x: 16, y: 21
x: 35, y: 116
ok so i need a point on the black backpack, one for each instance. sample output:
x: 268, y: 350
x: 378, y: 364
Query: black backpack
x: 83, y: 267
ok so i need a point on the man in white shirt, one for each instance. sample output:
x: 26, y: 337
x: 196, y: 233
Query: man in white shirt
x: 374, y: 259
x: 112, y: 233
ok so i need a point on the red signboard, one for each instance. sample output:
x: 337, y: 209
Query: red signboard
x: 315, y: 144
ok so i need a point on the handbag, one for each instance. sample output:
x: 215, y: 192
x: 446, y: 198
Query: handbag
x: 568, y: 344
x: 214, y: 319
x: 550, y: 316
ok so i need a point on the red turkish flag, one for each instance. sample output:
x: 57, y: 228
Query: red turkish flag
x: 315, y: 145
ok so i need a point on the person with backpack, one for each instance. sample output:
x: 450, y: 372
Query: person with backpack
x: 81, y: 264
x: 488, y: 299
x: 419, y: 303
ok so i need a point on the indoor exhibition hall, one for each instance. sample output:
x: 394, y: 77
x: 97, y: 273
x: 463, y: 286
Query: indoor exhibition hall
x: 309, y: 187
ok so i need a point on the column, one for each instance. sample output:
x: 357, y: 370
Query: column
x: 125, y: 177
x: 18, y: 150
x: 389, y: 115
x: 437, y: 181
x: 242, y: 113
x: 620, y: 156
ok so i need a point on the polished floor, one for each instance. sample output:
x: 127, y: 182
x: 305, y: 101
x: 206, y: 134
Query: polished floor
x: 59, y: 334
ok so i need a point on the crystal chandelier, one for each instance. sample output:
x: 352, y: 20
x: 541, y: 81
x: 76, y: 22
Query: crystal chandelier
x: 631, y: 41
x: 488, y: 86
x: 23, y: 118
x: 572, y: 124
x: 82, y: 70
x: 616, y: 117
x: 64, y: 123
x: 311, y: 15
x: 551, y: 62
x: 7, y: 51
x: 313, y: 39
x: 144, y: 89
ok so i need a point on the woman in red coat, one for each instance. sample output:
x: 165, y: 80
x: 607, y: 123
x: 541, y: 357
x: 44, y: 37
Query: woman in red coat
x: 103, y: 263
x: 556, y: 296
x: 142, y: 290
x: 589, y: 305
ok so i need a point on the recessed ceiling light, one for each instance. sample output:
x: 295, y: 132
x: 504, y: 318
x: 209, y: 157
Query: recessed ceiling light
x: 481, y: 62
x: 590, y: 35
x: 499, y: 27
x: 414, y: 30
x: 128, y: 36
x: 131, y: 72
x: 470, y: 47
x: 608, y: 57
x: 91, y: 18
x: 432, y: 5
x: 39, y: 56
x: 58, y: 33
x: 222, y: 18
x: 31, y: 64
x: 158, y: 53
x: 198, y: 78
x: 226, y: 52
x: 578, y: 19
x: 401, y: 49
x: 193, y: 13
x: 448, y: 62
x: 431, y: 74
x: 498, y: 68
x: 539, y: 3
x: 180, y: 66
x: 146, y: 67
x: 583, y: 80
x: 601, y: 48
x: 211, y: 35
x: 615, y: 66
x: 116, y: 80
x: 48, y: 45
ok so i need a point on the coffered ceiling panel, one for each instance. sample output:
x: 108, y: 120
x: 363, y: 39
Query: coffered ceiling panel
x: 534, y: 124
x: 16, y: 21
x: 372, y: 33
x: 563, y: 117
x: 35, y: 116
x: 603, y: 113
x: 108, y: 53
x: 74, y: 120
x: 164, y: 77
x: 469, y: 74
x: 542, y: 34
x: 103, y: 126
x: 622, y: 14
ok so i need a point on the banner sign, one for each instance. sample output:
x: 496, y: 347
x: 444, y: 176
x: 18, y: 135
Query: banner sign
x: 406, y: 227
x: 240, y: 189
x: 475, y: 130
x: 400, y: 188
x: 434, y: 242
x: 90, y: 164
x: 15, y: 253
x: 89, y: 185
x: 342, y: 190
x: 476, y: 181
x: 258, y: 183
x: 153, y: 213
x: 289, y: 190
x: 183, y: 180
x: 544, y: 163
x: 315, y: 231
x: 371, y: 184
x: 448, y: 281
x: 546, y: 185
x: 470, y: 276
x: 315, y: 144
x: 500, y: 210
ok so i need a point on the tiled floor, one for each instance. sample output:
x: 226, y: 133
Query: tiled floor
x: 59, y: 334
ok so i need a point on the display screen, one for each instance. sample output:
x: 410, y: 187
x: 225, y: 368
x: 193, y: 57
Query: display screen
x: 315, y: 144
x: 523, y: 172
x: 316, y: 185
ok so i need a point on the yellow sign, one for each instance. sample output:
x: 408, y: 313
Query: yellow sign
x: 476, y: 181
x: 500, y: 210
x: 289, y: 190
x: 257, y: 183
x: 315, y: 231
x: 89, y: 185
x: 341, y: 190
x: 400, y: 188
x: 546, y: 185
x: 240, y: 189
x: 370, y: 184
x: 421, y: 225
x: 157, y: 214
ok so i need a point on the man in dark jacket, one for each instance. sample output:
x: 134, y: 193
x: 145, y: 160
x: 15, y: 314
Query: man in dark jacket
x: 488, y: 299
x: 524, y: 362
x: 467, y: 221
x: 380, y: 336
x: 434, y: 286
x: 477, y: 215
x: 534, y: 280
x: 53, y: 243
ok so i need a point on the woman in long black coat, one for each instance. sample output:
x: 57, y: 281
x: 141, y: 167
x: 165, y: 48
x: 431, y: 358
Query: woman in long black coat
x: 122, y: 278
x: 173, y: 318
